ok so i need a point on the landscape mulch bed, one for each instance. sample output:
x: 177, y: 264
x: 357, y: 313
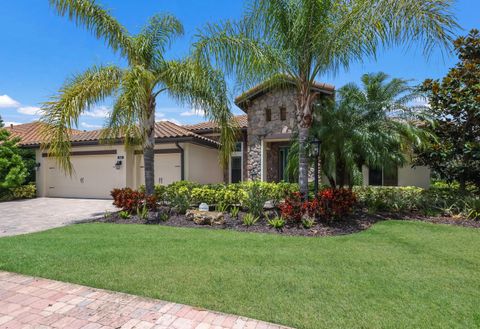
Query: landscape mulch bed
x: 355, y: 223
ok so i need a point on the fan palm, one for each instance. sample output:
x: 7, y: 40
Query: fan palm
x: 306, y: 39
x: 374, y: 125
x: 135, y: 87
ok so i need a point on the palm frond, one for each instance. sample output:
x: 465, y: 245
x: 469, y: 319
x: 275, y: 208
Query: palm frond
x: 96, y: 19
x: 205, y: 89
x: 151, y: 43
x: 62, y: 112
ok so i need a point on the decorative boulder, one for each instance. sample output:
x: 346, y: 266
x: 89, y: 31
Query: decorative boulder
x: 205, y: 217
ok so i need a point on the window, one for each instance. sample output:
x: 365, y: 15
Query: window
x: 268, y: 115
x: 388, y: 176
x: 236, y: 169
x: 283, y: 113
x: 236, y: 164
x: 375, y: 177
x: 282, y: 166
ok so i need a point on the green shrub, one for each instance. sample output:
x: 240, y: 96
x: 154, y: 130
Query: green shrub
x: 142, y: 212
x: 249, y: 220
x: 124, y: 214
x: 234, y: 212
x: 308, y: 222
x: 163, y: 216
x: 379, y: 198
x: 258, y: 194
x: 28, y: 191
x: 277, y: 223
x: 204, y: 194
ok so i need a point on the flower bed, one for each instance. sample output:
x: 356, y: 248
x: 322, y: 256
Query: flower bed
x: 279, y: 208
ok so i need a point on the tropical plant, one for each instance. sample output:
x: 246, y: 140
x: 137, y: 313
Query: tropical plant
x: 277, y: 223
x: 308, y: 222
x: 376, y: 125
x: 142, y: 211
x: 250, y: 219
x: 454, y: 104
x: 234, y: 212
x: 2, y: 124
x: 13, y: 170
x: 298, y: 41
x: 257, y: 196
x: 135, y: 88
x: 124, y: 214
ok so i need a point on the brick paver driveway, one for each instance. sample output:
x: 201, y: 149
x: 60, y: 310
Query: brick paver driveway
x: 27, y: 302
x: 25, y: 216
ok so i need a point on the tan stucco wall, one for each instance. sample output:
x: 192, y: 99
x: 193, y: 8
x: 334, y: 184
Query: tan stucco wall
x: 202, y: 165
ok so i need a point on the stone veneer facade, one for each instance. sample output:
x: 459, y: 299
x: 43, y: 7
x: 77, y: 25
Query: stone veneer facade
x: 259, y: 128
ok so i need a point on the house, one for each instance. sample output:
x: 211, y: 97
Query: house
x: 191, y: 152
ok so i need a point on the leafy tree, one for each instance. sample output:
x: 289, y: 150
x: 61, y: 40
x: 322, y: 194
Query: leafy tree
x: 373, y: 125
x: 2, y: 124
x: 13, y: 170
x: 455, y: 106
x: 135, y: 88
x: 306, y: 39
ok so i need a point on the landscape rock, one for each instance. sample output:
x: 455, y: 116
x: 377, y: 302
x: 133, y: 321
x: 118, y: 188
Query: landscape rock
x: 205, y: 217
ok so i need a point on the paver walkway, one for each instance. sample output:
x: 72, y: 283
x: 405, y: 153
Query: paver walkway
x: 26, y: 216
x: 27, y: 302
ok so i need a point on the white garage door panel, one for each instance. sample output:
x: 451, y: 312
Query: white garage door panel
x: 94, y: 177
x: 167, y: 169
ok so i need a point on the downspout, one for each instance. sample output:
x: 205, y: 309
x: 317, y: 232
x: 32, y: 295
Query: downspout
x: 182, y: 160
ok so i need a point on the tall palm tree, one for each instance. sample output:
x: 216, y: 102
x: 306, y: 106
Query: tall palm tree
x: 375, y: 124
x: 135, y: 88
x: 305, y: 39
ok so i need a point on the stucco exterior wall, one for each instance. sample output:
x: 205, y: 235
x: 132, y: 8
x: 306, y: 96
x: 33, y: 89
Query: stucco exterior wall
x: 202, y: 165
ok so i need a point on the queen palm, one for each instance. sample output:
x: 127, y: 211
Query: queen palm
x: 375, y: 124
x: 133, y: 88
x: 306, y: 39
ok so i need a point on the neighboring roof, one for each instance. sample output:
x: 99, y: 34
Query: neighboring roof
x: 264, y: 87
x: 30, y: 133
x: 164, y: 131
x: 209, y: 126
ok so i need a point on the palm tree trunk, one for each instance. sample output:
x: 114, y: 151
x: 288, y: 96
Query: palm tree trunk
x: 303, y: 161
x: 304, y: 121
x: 149, y: 149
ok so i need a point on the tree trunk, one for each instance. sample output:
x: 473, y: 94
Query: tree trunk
x: 148, y: 148
x: 303, y: 104
x: 303, y: 161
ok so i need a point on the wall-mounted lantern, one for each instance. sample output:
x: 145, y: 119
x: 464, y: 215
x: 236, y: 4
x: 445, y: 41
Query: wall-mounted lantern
x: 37, y: 165
x: 118, y: 164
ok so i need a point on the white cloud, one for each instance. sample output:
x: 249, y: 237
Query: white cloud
x: 90, y: 126
x: 175, y: 121
x: 29, y: 110
x: 9, y: 123
x: 159, y: 115
x: 8, y: 102
x: 98, y: 112
x: 193, y: 112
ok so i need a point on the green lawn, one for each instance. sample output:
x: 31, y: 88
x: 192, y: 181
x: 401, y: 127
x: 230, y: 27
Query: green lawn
x: 395, y: 275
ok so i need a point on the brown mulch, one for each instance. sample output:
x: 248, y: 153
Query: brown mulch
x: 355, y: 223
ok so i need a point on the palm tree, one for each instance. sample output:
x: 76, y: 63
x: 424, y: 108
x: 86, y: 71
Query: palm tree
x: 305, y: 39
x: 374, y: 125
x: 135, y: 87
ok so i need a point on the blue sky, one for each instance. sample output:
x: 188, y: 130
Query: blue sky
x: 39, y: 50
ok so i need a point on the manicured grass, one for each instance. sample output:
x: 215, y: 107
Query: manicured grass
x: 395, y: 275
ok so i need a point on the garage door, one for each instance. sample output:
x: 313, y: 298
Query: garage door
x: 94, y: 177
x: 167, y: 169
